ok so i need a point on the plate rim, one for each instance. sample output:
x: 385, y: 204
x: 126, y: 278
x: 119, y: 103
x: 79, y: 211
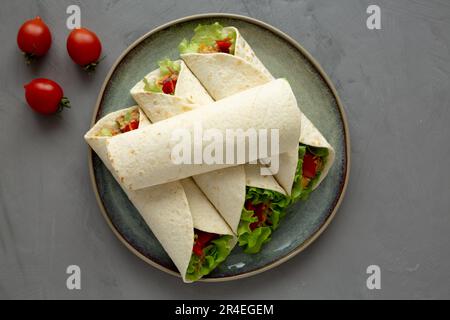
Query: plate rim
x: 327, y: 80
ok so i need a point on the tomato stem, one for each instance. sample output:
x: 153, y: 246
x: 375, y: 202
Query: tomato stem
x: 64, y: 103
x: 92, y: 66
x: 29, y: 57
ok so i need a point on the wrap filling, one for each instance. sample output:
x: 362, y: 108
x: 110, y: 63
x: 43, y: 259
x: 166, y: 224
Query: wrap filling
x: 167, y: 80
x: 212, y: 38
x: 125, y: 123
x: 311, y: 161
x: 208, y: 252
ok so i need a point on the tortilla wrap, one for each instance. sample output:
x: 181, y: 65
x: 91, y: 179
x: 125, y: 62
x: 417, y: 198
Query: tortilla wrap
x: 171, y: 210
x: 144, y: 157
x: 189, y: 95
x: 311, y: 136
x: 224, y: 74
x: 225, y: 188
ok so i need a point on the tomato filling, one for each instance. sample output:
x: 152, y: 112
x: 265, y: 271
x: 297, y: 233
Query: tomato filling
x: 311, y: 165
x: 260, y: 210
x: 125, y: 123
x: 168, y: 84
x: 129, y: 121
x: 201, y: 240
x: 224, y: 45
x: 220, y: 46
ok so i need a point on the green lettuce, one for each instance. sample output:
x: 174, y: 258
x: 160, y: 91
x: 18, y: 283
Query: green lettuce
x: 106, y: 132
x: 252, y: 241
x: 206, y: 35
x: 298, y: 193
x: 213, y: 255
x: 151, y: 87
x: 297, y: 186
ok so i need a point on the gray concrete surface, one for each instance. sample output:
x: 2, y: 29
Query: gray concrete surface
x: 394, y: 83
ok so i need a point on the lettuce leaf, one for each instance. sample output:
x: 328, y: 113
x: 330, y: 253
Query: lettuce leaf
x: 106, y: 132
x: 168, y: 66
x: 297, y: 187
x: 252, y: 240
x: 213, y: 255
x: 151, y: 87
x: 206, y: 35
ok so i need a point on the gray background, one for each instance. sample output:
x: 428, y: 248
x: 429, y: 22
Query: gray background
x: 393, y: 82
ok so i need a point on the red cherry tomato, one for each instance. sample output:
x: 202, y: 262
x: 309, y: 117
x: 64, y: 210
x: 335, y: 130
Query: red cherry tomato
x: 34, y: 38
x: 84, y: 47
x: 45, y: 96
x: 309, y: 166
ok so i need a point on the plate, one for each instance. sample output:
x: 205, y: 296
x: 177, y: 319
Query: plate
x: 318, y: 99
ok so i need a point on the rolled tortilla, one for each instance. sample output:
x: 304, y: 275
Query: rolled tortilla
x: 144, y: 158
x: 225, y: 188
x: 224, y: 74
x: 171, y: 210
x: 189, y: 95
x: 311, y: 136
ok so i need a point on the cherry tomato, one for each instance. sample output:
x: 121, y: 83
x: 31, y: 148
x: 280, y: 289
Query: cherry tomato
x: 224, y: 45
x: 309, y: 166
x: 45, y: 96
x: 84, y: 47
x: 34, y: 38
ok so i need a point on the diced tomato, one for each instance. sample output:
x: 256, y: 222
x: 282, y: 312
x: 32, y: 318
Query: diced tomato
x: 224, y: 45
x: 205, y: 237
x: 133, y: 125
x: 197, y: 250
x: 169, y: 86
x: 249, y: 206
x: 202, y: 241
x: 309, y: 166
x: 260, y: 213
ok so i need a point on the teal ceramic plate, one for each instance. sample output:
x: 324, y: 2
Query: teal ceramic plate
x: 317, y: 97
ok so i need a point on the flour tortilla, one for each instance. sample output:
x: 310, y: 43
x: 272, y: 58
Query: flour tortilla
x: 221, y: 186
x: 144, y: 158
x: 171, y: 210
x: 223, y: 75
x: 225, y: 188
